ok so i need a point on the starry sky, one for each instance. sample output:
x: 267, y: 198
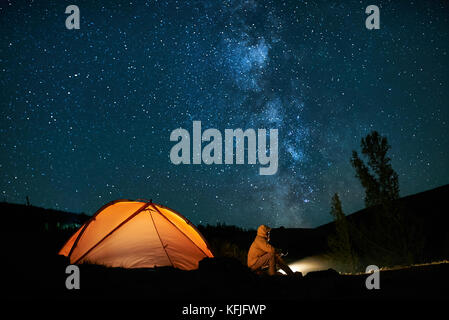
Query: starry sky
x: 86, y: 115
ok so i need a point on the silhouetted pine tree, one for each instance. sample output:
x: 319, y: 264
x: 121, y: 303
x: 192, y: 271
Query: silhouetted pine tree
x: 391, y: 231
x: 380, y: 181
x: 340, y: 242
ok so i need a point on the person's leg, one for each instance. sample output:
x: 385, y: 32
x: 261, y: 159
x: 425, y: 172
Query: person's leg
x: 262, y: 261
x: 272, y: 262
x: 282, y: 265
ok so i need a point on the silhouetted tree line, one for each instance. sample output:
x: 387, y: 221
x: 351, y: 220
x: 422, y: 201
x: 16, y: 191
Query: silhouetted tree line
x: 228, y: 241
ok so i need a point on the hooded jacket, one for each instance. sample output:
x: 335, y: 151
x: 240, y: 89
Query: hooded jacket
x: 260, y: 245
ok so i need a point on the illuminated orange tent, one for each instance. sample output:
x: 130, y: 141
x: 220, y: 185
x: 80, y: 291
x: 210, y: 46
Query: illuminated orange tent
x: 137, y: 234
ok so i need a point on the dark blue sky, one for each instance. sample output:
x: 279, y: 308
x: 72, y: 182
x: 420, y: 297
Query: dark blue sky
x: 86, y: 115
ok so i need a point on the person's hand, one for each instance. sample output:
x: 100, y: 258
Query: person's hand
x: 284, y: 253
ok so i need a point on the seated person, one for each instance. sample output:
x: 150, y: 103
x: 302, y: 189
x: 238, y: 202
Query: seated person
x: 261, y: 254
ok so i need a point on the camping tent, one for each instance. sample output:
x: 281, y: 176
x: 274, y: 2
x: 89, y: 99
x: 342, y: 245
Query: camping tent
x: 137, y: 234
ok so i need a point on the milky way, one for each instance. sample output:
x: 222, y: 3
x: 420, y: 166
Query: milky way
x: 86, y: 114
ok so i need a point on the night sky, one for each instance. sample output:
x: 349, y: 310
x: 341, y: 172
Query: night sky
x: 86, y: 115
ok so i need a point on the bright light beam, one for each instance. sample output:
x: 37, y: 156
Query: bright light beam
x: 309, y: 264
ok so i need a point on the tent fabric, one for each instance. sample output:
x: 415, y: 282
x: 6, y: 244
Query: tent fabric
x: 137, y: 234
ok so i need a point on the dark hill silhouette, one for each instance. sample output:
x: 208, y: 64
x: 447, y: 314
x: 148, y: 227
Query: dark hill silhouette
x: 426, y: 211
x: 21, y: 217
x: 430, y: 205
x: 33, y: 234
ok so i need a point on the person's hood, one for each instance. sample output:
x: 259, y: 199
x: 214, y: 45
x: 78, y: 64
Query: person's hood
x: 263, y: 230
